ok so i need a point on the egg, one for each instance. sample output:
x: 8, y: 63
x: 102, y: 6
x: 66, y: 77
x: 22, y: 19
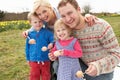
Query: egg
x: 32, y: 41
x: 79, y: 74
x: 44, y: 48
x: 57, y: 53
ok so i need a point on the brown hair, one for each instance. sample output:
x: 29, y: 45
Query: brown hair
x: 64, y: 2
x: 60, y: 23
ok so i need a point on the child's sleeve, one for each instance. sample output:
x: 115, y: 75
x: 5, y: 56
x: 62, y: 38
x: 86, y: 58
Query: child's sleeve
x: 51, y: 37
x: 53, y: 49
x: 76, y: 53
x: 27, y: 50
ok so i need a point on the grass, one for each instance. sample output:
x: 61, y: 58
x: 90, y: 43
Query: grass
x: 13, y: 65
x: 12, y: 61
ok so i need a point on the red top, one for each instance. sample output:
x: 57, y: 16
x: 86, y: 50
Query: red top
x: 76, y: 53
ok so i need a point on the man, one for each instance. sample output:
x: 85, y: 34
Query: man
x: 101, y: 52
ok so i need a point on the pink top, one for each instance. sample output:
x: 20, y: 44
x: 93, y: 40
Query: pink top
x: 74, y: 54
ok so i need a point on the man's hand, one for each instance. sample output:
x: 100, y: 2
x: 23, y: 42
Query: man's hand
x: 52, y: 57
x: 91, y: 70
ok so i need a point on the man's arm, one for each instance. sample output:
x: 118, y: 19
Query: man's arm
x: 109, y: 42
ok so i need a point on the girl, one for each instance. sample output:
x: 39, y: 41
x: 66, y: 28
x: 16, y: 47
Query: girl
x: 68, y: 50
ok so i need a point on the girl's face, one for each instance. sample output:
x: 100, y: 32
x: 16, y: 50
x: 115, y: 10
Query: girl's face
x: 36, y: 23
x: 44, y: 13
x: 62, y: 33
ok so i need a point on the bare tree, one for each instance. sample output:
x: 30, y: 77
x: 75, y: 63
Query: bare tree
x: 86, y: 9
x: 2, y: 14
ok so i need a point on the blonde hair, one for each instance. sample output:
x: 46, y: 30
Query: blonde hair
x: 59, y: 23
x: 30, y: 15
x: 38, y: 3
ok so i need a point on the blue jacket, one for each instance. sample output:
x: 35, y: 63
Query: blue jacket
x: 42, y: 38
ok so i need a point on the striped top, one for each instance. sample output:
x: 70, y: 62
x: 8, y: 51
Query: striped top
x: 100, y: 46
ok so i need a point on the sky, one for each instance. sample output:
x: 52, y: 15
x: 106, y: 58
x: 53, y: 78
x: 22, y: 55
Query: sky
x: 96, y: 5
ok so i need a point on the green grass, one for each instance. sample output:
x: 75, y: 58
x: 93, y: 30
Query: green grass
x: 12, y: 61
x: 13, y: 65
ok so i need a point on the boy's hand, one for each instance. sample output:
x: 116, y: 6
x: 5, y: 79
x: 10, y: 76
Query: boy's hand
x: 52, y: 57
x: 28, y: 62
x: 91, y: 70
x: 50, y: 46
x: 25, y: 34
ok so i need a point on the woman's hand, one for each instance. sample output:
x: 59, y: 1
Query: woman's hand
x: 91, y: 70
x: 25, y: 34
x: 90, y: 19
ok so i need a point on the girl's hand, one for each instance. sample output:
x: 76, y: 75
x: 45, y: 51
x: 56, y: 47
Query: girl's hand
x: 90, y: 19
x: 91, y: 70
x: 25, y: 34
x: 58, y: 53
x: 52, y: 57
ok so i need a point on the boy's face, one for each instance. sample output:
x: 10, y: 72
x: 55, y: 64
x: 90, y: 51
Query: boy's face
x: 36, y: 23
x: 70, y: 15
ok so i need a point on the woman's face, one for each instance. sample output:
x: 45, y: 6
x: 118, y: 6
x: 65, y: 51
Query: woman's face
x: 44, y: 13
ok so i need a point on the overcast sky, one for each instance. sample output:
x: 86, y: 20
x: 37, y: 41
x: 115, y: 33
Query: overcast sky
x: 96, y: 5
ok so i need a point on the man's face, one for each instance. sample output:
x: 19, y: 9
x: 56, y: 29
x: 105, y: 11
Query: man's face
x: 70, y: 15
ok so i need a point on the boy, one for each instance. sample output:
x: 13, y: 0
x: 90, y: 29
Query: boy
x: 38, y: 59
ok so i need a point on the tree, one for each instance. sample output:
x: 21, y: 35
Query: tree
x: 2, y: 14
x: 86, y: 9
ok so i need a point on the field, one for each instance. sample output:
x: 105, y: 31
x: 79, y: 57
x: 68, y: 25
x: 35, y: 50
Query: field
x: 13, y: 65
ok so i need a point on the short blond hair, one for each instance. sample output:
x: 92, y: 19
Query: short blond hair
x: 30, y: 15
x: 58, y: 24
x: 38, y: 3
